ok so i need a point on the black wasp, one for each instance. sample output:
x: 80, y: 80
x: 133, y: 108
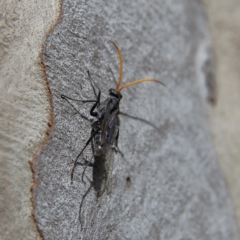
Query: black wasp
x: 105, y: 131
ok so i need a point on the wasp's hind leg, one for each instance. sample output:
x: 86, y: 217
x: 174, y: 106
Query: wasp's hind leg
x: 83, y: 197
x: 93, y: 133
x: 86, y: 164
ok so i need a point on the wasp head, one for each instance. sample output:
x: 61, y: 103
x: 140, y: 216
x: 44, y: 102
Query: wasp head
x: 115, y: 93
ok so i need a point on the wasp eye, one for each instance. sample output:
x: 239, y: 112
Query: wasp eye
x: 112, y: 91
x: 115, y: 93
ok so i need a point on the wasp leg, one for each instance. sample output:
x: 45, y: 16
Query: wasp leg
x: 92, y: 84
x: 83, y: 101
x: 139, y: 119
x: 86, y: 144
x: 92, y: 113
x: 77, y: 100
x: 89, y: 164
x: 80, y: 207
x: 86, y: 164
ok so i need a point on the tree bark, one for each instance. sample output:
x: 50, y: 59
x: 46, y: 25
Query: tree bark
x: 168, y: 184
x: 25, y: 108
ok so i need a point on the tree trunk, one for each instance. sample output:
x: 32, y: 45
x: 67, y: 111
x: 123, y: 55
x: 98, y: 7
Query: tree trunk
x: 25, y: 108
x: 168, y: 184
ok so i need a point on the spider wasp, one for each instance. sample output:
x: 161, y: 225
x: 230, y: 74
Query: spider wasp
x: 105, y: 131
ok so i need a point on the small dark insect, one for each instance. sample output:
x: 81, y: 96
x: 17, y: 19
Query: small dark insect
x: 104, y: 133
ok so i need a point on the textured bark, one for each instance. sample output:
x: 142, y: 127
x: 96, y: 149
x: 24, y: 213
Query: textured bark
x: 24, y: 109
x: 168, y: 185
x: 176, y: 190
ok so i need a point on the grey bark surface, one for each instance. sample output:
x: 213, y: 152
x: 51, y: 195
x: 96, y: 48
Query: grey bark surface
x: 24, y: 108
x: 176, y: 190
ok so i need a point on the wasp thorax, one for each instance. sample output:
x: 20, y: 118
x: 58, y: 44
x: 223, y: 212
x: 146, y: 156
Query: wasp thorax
x: 115, y: 93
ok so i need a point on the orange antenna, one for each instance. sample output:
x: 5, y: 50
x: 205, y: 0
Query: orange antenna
x: 120, y: 65
x: 118, y: 88
x: 140, y: 81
